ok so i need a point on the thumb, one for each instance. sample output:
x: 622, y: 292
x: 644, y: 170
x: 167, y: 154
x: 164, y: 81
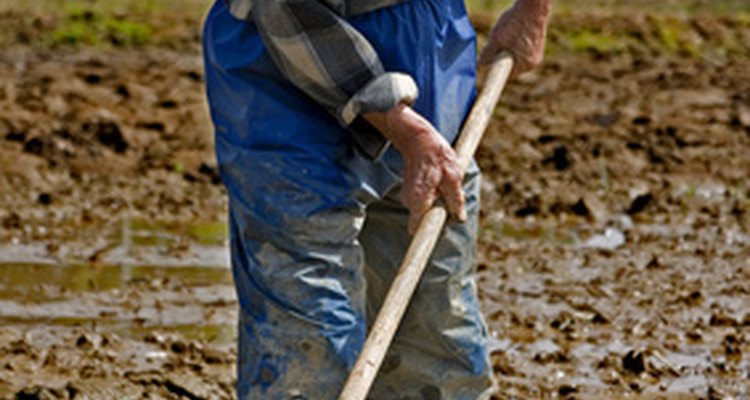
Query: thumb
x: 418, y: 210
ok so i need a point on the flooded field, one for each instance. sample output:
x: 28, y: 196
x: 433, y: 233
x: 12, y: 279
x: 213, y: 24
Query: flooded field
x: 116, y: 332
x: 614, y: 255
x: 651, y: 311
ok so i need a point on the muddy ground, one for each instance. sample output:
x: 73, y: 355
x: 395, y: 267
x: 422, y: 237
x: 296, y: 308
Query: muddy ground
x: 614, y: 256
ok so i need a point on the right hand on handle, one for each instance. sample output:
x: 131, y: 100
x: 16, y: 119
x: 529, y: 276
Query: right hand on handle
x: 431, y: 169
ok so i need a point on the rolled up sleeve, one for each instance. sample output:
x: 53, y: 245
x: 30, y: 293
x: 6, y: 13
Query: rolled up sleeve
x: 329, y: 60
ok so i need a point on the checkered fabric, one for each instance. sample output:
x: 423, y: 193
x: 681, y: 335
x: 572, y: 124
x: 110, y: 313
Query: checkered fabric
x: 323, y: 55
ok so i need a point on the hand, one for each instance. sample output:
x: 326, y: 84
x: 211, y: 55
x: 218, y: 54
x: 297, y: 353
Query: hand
x: 521, y: 30
x: 430, y: 166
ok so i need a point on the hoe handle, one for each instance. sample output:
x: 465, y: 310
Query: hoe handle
x: 405, y: 283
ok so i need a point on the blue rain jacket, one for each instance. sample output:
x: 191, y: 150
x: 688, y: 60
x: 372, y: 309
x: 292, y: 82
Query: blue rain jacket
x: 289, y: 167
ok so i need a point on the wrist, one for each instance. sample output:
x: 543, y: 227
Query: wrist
x: 394, y: 125
x: 407, y: 129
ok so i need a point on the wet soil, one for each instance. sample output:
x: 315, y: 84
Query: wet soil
x: 614, y: 255
x: 78, y: 332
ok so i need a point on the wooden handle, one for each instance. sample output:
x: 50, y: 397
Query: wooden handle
x: 424, y: 240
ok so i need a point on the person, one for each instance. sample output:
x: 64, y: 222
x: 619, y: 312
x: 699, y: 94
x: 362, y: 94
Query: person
x: 333, y: 128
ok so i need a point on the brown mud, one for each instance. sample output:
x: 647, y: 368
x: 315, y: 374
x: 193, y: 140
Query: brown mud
x: 614, y: 254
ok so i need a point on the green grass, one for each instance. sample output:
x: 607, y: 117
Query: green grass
x: 55, y: 7
x: 591, y: 41
x: 124, y: 32
x: 90, y: 27
x: 665, y: 7
x: 674, y: 37
x: 132, y: 23
x: 639, y: 27
x: 96, y: 23
x: 124, y: 23
x: 657, y: 35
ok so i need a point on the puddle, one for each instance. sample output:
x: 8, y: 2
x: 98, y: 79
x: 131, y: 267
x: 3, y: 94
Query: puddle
x: 146, y: 233
x: 27, y: 282
x: 134, y: 243
x: 196, y: 302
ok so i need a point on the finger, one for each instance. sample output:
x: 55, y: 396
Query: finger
x: 420, y: 188
x: 452, y: 190
x: 418, y: 209
x: 418, y: 198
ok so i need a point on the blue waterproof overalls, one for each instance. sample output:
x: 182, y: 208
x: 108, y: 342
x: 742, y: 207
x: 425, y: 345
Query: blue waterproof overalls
x: 318, y: 229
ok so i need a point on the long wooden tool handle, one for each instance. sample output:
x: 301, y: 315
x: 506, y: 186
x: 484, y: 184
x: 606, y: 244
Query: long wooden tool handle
x: 405, y: 283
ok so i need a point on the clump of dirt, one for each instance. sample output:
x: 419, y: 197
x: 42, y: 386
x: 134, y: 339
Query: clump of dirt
x: 90, y: 139
x: 614, y: 257
x: 79, y: 364
x: 644, y: 35
x: 642, y: 138
x: 116, y: 332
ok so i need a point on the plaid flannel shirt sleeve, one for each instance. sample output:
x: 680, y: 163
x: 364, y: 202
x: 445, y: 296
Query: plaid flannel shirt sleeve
x: 329, y: 60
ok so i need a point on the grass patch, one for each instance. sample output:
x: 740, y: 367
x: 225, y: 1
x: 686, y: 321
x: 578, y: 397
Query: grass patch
x: 672, y: 28
x: 668, y: 31
x: 596, y: 42
x: 74, y: 33
x: 184, y: 8
x: 91, y: 25
x: 127, y: 33
x: 120, y: 23
x: 665, y: 7
x: 704, y: 37
x: 211, y: 233
x: 177, y: 23
x: 674, y: 37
